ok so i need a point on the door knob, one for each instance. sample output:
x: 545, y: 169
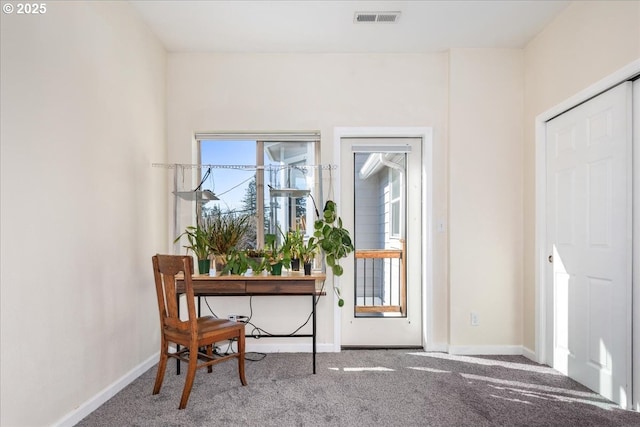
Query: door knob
x: 550, y: 258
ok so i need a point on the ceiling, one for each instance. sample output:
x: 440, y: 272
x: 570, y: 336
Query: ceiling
x: 310, y: 26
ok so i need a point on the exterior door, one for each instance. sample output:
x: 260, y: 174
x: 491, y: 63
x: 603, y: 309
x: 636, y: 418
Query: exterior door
x: 589, y: 233
x: 381, y: 201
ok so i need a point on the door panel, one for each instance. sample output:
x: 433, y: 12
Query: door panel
x: 589, y: 231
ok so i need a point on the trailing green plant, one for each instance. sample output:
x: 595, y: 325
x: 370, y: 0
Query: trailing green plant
x: 334, y: 240
x: 198, y: 239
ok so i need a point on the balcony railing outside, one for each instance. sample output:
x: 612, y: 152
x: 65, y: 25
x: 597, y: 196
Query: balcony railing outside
x: 380, y: 282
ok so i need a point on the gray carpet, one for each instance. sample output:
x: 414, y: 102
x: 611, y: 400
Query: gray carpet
x: 397, y: 388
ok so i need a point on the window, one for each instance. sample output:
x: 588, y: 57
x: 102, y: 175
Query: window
x: 268, y: 177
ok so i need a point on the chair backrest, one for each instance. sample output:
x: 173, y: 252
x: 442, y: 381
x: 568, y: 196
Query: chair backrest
x: 165, y: 269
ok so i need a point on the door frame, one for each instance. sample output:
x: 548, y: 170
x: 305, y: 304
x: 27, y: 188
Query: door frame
x: 426, y: 133
x: 542, y: 352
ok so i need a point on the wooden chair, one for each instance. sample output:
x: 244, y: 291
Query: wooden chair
x: 193, y: 333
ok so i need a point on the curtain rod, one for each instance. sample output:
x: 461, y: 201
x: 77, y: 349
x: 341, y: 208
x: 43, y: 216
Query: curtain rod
x: 241, y: 167
x: 266, y: 136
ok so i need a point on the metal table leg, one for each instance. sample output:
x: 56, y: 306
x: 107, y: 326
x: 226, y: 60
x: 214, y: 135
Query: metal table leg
x: 313, y: 310
x: 178, y: 345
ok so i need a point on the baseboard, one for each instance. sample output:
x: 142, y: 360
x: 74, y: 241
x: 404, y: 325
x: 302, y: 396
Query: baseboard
x: 512, y: 350
x: 75, y: 416
x: 267, y: 347
x: 437, y: 347
x: 529, y: 354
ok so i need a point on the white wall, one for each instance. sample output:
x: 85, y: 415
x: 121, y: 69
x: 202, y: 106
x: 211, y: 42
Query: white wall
x: 485, y: 199
x: 314, y: 92
x: 585, y: 43
x: 83, y: 115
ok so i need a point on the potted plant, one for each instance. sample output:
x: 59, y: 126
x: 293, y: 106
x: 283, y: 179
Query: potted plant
x: 198, y: 239
x: 256, y: 258
x: 237, y: 262
x: 295, y: 240
x: 334, y: 240
x: 226, y: 232
x: 307, y: 252
x: 277, y: 256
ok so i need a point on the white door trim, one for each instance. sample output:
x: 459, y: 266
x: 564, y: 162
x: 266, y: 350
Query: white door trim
x: 426, y: 133
x: 625, y: 73
x: 636, y: 249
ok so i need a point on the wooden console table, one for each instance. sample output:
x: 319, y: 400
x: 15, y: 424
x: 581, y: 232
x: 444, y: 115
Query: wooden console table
x: 289, y: 284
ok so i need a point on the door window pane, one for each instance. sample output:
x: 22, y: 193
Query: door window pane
x: 379, y: 234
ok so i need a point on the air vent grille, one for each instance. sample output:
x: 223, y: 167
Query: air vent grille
x: 366, y: 17
x: 387, y: 17
x: 376, y: 17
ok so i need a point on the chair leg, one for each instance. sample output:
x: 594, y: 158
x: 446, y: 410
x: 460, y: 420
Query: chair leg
x: 191, y: 374
x: 243, y: 380
x: 162, y: 366
x: 210, y: 354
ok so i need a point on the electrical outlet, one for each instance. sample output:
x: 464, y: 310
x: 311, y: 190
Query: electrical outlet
x: 475, y: 319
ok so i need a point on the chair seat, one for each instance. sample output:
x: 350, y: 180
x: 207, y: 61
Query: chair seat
x: 208, y: 322
x: 208, y: 326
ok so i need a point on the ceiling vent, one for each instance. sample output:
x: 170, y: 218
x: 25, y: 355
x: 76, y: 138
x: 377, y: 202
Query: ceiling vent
x: 376, y: 17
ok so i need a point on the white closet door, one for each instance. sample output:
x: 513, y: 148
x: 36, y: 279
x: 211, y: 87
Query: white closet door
x: 589, y: 217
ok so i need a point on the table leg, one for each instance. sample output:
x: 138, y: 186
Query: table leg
x: 313, y: 310
x: 178, y: 345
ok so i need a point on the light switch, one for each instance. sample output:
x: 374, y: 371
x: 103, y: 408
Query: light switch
x: 475, y: 319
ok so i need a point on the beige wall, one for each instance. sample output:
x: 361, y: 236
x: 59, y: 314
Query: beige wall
x: 485, y: 199
x: 83, y: 115
x: 587, y: 42
x: 314, y: 92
